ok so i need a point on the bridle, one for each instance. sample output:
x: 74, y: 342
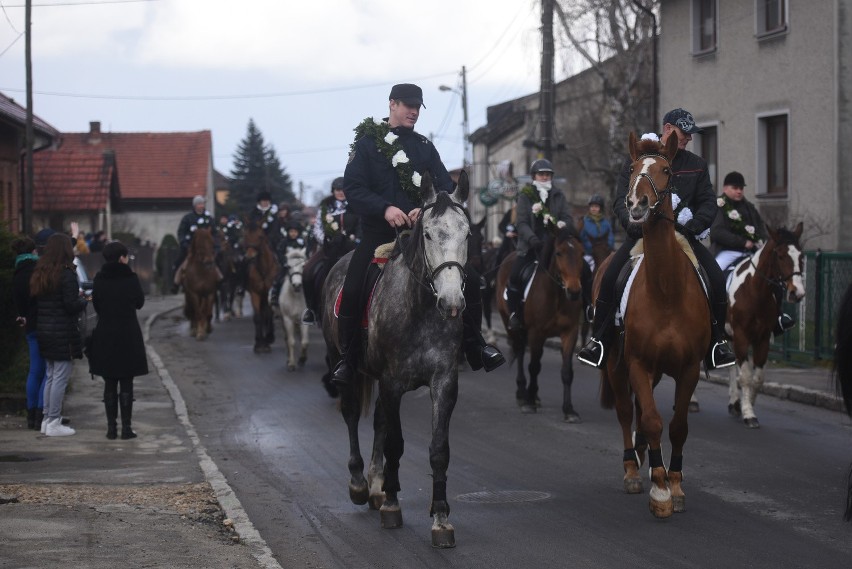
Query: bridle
x: 777, y: 283
x: 661, y: 195
x: 432, y: 273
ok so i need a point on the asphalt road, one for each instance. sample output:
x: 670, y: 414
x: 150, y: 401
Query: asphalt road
x: 524, y: 490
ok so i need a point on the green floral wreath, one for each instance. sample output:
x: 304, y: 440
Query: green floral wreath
x: 540, y: 210
x: 737, y: 224
x: 388, y: 144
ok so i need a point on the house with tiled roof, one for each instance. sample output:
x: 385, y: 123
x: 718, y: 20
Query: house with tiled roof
x: 13, y: 121
x: 129, y: 182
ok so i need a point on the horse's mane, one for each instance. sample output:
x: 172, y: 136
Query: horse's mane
x: 649, y: 146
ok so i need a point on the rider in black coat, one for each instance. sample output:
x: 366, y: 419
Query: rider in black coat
x: 691, y: 180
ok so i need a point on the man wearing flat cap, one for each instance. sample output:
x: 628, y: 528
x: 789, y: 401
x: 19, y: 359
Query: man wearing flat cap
x: 691, y: 181
x: 386, y: 200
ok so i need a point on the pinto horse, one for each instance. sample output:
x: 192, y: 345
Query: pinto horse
x: 758, y: 285
x: 552, y: 308
x: 666, y: 331
x: 200, y: 284
x: 261, y: 269
x: 413, y: 340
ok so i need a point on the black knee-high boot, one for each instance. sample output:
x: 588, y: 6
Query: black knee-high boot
x: 515, y: 301
x: 720, y: 354
x: 125, y: 401
x: 347, y: 333
x: 111, y: 406
x: 594, y: 352
x: 479, y: 354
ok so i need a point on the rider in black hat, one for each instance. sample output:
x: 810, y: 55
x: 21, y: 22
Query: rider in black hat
x: 264, y: 212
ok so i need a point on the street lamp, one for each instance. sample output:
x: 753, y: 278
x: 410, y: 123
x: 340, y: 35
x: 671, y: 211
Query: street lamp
x: 465, y: 124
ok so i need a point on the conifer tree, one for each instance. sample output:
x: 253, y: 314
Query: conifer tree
x: 256, y: 168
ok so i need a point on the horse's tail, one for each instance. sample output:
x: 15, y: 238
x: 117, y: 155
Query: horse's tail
x: 607, y: 394
x: 842, y: 366
x: 365, y: 391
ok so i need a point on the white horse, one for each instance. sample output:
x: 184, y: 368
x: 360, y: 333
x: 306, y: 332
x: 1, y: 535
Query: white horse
x: 291, y: 301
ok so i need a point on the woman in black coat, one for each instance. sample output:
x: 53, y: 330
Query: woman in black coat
x: 118, y: 350
x: 25, y: 308
x: 58, y: 305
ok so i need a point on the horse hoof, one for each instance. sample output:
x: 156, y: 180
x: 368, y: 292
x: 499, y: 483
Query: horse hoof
x: 391, y: 517
x: 734, y: 409
x: 358, y: 494
x: 377, y: 501
x: 302, y: 361
x: 444, y: 537
x: 633, y: 485
x: 661, y: 510
x: 752, y: 423
x: 694, y: 407
x: 572, y: 418
x: 291, y: 367
x: 679, y: 504
x: 527, y: 409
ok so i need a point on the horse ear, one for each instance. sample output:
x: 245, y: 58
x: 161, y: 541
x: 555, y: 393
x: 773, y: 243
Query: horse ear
x: 798, y: 231
x: 772, y: 234
x: 670, y: 147
x: 462, y: 188
x: 631, y: 146
x: 426, y: 188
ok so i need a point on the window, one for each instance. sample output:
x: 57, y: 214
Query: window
x: 703, y: 26
x: 773, y: 163
x: 707, y: 146
x: 771, y: 16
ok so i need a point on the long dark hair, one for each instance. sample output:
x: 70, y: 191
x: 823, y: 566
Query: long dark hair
x: 58, y: 254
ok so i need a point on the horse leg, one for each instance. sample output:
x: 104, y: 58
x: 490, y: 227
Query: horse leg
x: 660, y: 502
x: 678, y: 431
x: 734, y: 373
x: 532, y: 402
x: 624, y: 411
x: 761, y: 355
x: 518, y: 348
x: 303, y: 337
x: 390, y: 512
x: 568, y: 413
x: 375, y: 473
x: 351, y: 411
x: 289, y: 336
x: 747, y: 386
x: 444, y: 397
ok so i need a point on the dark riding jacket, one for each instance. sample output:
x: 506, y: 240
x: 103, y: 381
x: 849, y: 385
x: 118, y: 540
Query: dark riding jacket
x: 724, y: 236
x: 371, y: 182
x: 530, y: 224
x: 192, y: 221
x: 691, y: 180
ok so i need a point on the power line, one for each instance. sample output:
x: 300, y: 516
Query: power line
x: 86, y: 3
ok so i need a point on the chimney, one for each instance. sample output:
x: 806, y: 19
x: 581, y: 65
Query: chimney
x: 94, y: 132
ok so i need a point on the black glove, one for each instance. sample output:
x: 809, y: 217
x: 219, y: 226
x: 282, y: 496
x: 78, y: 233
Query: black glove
x: 691, y: 228
x: 535, y: 242
x: 634, y: 230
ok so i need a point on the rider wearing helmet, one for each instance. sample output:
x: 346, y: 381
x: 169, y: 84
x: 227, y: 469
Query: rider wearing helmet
x: 535, y: 201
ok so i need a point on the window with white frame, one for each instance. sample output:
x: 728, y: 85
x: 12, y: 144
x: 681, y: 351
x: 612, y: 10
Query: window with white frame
x: 773, y: 155
x: 770, y: 16
x: 707, y: 146
x: 704, y: 20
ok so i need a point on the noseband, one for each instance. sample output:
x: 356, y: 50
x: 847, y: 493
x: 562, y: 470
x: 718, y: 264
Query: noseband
x: 659, y: 194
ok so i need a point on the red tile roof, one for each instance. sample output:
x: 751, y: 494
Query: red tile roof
x: 71, y: 180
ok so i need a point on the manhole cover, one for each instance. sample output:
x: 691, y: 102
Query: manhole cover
x: 503, y: 496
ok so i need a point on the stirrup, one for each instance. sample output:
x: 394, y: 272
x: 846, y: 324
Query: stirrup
x: 515, y: 322
x: 592, y: 353
x: 308, y: 317
x: 784, y: 323
x: 724, y: 358
x: 589, y: 313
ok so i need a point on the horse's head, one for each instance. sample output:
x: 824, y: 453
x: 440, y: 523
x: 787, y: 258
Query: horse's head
x: 566, y: 263
x: 650, y: 176
x: 438, y: 248
x: 201, y: 246
x: 788, y: 256
x: 296, y: 258
x: 254, y: 240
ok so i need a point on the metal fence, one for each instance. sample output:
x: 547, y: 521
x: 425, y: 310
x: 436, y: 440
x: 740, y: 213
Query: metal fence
x: 811, y: 341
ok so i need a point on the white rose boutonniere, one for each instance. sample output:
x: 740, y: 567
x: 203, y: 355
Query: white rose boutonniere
x: 734, y: 214
x: 415, y: 179
x: 390, y: 138
x: 536, y: 208
x: 749, y: 229
x: 560, y: 224
x: 720, y: 202
x: 399, y: 158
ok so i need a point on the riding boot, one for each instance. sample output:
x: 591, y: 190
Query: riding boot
x: 479, y: 354
x: 720, y: 354
x: 125, y: 401
x: 784, y: 323
x: 594, y: 352
x: 111, y: 406
x: 515, y: 300
x: 586, y: 287
x: 346, y: 333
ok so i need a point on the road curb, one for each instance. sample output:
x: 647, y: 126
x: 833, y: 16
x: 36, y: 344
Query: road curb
x: 224, y: 493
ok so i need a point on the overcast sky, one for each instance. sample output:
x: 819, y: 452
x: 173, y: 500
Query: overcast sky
x: 307, y: 72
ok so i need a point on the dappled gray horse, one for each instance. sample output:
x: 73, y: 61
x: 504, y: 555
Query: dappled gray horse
x: 413, y: 340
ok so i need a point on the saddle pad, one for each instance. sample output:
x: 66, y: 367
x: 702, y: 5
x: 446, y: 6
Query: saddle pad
x: 372, y: 281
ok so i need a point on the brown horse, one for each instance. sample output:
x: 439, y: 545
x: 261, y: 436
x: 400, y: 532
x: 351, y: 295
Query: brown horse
x: 261, y: 269
x: 552, y: 309
x: 666, y: 331
x: 758, y: 285
x: 200, y: 281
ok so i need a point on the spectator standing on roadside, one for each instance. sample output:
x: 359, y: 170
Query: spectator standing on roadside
x: 58, y: 303
x: 25, y: 310
x: 118, y: 350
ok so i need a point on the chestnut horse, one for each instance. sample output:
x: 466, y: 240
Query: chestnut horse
x: 666, y: 331
x: 758, y: 285
x: 200, y: 282
x: 261, y: 269
x: 552, y: 308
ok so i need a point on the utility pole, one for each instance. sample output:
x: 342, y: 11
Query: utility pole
x: 468, y: 159
x: 27, y: 221
x: 655, y: 85
x: 546, y: 93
